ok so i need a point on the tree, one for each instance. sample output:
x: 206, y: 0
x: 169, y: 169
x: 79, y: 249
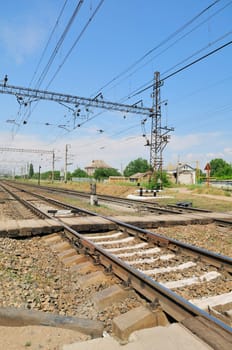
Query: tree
x: 220, y: 168
x: 159, y: 181
x: 31, y: 171
x: 79, y: 173
x: 138, y: 165
x: 104, y: 173
x: 48, y: 175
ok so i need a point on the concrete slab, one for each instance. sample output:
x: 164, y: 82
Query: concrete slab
x: 218, y: 338
x: 25, y: 227
x: 52, y: 238
x: 61, y: 246
x: 15, y: 317
x: 173, y: 337
x: 135, y: 319
x: 67, y: 253
x: 85, y: 267
x: 3, y: 230
x: 212, y: 301
x: 53, y: 225
x: 80, y: 259
x: 89, y: 223
x: 11, y: 226
x: 70, y: 260
x: 109, y: 296
x: 92, y: 278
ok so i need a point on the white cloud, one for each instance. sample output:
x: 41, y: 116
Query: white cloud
x: 228, y: 151
x: 193, y: 148
x: 21, y: 41
x: 186, y: 142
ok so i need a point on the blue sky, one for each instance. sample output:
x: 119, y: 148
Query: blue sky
x: 120, y: 34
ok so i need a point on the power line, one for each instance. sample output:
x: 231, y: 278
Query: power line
x: 28, y: 112
x: 58, y: 45
x: 199, y: 59
x: 159, y: 45
x: 198, y: 51
x: 48, y: 42
x: 75, y: 42
x: 171, y: 45
x: 150, y: 51
x: 69, y: 52
x: 186, y: 66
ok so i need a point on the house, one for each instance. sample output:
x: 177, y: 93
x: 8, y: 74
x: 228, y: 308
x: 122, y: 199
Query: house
x: 96, y: 164
x: 184, y: 174
x: 140, y: 177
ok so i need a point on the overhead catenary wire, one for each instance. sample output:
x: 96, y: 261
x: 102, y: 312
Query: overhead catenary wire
x: 48, y: 41
x: 170, y: 75
x: 198, y: 51
x: 75, y: 42
x: 159, y: 45
x: 59, y: 43
x: 27, y: 113
x: 68, y: 54
x: 185, y: 67
x: 171, y: 45
x: 150, y: 51
x: 89, y: 118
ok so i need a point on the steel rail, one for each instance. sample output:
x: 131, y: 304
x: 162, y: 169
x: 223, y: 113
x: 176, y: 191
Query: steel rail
x: 29, y: 206
x: 224, y: 222
x: 120, y: 200
x: 188, y: 208
x: 218, y: 260
x: 172, y: 303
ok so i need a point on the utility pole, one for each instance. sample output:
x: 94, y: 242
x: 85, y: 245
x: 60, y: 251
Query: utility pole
x: 39, y: 175
x: 53, y: 165
x: 66, y: 162
x: 159, y: 133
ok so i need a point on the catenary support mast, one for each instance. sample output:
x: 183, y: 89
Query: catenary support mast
x: 159, y: 133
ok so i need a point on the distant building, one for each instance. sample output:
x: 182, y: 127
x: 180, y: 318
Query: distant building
x: 139, y: 177
x: 184, y: 174
x: 118, y: 179
x: 96, y: 164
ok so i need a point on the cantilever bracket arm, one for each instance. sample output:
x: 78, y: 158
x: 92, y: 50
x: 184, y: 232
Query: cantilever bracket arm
x: 58, y: 97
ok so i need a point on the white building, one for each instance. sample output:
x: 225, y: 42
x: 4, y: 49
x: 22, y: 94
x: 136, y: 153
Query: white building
x: 184, y: 174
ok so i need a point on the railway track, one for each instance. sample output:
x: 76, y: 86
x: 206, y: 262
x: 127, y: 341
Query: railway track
x: 136, y: 205
x: 184, y: 280
x: 142, y: 205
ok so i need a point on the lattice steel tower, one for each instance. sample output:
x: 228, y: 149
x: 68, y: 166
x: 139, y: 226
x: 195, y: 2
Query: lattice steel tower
x: 159, y: 133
